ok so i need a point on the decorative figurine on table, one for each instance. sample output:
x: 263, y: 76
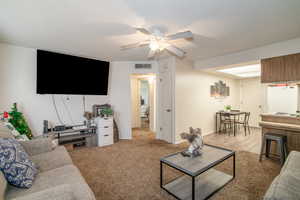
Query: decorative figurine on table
x: 195, y: 140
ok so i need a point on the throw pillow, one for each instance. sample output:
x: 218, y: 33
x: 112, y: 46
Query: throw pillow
x: 15, y: 164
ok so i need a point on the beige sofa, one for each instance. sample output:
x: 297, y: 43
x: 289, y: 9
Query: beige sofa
x: 286, y: 186
x: 58, y: 178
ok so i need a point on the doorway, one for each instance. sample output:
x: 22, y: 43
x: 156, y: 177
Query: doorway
x: 143, y: 104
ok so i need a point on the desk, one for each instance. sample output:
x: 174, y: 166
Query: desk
x: 231, y: 114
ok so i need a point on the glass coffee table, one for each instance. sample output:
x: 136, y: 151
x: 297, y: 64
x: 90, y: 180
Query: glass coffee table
x: 199, y: 180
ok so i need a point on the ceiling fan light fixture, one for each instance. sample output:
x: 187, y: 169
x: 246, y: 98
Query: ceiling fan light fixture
x: 158, y: 42
x: 154, y: 45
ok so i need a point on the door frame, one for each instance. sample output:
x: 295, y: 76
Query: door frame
x: 171, y: 62
x: 157, y: 96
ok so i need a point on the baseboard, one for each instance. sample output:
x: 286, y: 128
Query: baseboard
x: 179, y: 141
x: 125, y: 138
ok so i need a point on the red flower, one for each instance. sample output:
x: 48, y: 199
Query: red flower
x: 5, y: 115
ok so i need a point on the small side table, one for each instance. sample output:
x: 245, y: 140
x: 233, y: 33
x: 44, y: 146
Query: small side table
x: 199, y: 180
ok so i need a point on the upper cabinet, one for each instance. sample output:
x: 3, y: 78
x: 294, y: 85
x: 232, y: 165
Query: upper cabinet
x: 281, y: 69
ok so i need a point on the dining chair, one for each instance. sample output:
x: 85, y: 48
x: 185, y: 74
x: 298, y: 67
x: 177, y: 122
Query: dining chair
x: 238, y: 118
x: 225, y: 122
x: 245, y: 122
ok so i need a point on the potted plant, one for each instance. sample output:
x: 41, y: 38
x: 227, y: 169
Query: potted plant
x: 106, y: 112
x: 228, y: 108
x: 17, y: 119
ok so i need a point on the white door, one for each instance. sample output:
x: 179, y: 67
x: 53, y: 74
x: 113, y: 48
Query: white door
x: 252, y: 99
x: 166, y: 97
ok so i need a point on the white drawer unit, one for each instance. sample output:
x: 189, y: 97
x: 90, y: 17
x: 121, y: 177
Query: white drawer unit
x: 105, y: 131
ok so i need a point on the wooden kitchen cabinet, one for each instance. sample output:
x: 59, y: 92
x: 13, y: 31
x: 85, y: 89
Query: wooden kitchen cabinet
x: 280, y: 69
x: 293, y: 140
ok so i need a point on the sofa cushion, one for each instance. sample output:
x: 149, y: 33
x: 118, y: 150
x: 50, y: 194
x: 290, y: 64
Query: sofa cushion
x: 52, y: 159
x: 15, y: 163
x: 284, y: 187
x: 292, y: 163
x: 286, y: 184
x: 4, y: 131
x: 67, y: 174
x: 5, y: 134
x: 61, y: 192
x: 3, y: 126
x: 37, y: 146
x: 3, y: 185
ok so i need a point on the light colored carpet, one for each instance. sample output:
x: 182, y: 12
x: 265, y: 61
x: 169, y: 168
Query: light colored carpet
x: 129, y: 170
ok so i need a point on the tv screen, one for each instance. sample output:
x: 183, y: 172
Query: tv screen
x: 65, y: 74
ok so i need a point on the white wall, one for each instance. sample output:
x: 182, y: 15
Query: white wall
x: 252, y: 99
x: 194, y: 105
x: 256, y: 54
x: 18, y: 84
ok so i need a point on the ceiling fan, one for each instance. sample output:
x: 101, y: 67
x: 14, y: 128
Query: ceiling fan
x: 159, y: 42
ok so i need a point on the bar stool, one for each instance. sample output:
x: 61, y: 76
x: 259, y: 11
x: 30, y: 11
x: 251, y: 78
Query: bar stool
x: 281, y: 141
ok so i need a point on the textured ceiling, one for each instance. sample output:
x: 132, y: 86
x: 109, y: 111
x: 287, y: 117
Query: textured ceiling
x: 97, y: 28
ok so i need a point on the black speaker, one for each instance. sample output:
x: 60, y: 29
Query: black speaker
x: 45, y: 126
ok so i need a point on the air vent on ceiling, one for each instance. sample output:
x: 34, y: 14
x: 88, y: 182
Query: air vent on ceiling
x: 143, y: 66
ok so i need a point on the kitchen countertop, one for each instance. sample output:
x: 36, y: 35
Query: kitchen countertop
x: 280, y: 118
x: 280, y: 115
x: 277, y: 125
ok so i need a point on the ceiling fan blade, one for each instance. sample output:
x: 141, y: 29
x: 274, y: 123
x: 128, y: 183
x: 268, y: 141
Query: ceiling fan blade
x: 175, y: 50
x: 151, y: 54
x: 143, y: 30
x: 180, y: 35
x: 144, y: 43
x: 135, y: 45
x: 130, y: 46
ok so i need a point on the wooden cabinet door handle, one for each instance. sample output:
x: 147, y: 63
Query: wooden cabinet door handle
x: 105, y: 126
x: 106, y: 135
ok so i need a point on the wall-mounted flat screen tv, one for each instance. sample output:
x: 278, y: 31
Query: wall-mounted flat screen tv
x: 65, y: 74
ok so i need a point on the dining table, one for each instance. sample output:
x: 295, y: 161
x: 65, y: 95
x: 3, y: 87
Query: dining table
x: 232, y: 114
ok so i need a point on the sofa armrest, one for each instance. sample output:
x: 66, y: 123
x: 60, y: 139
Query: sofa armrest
x: 37, y: 146
x: 61, y: 192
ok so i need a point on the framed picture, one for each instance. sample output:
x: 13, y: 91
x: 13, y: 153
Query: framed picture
x: 219, y: 90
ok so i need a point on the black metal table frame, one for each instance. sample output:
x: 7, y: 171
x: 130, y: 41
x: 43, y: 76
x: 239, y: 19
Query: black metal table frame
x: 234, y: 121
x: 194, y: 175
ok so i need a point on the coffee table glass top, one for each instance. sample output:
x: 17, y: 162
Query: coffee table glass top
x: 211, y: 156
